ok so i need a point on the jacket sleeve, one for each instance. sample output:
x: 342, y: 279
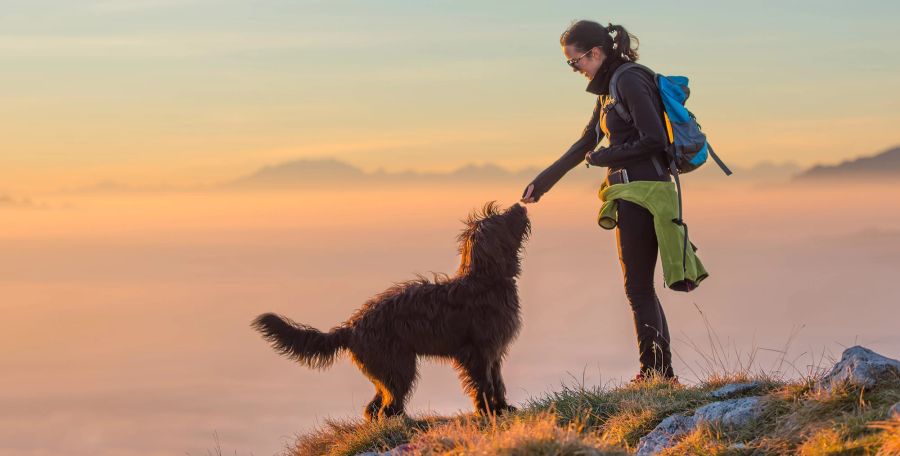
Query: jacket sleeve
x: 590, y: 137
x: 638, y: 96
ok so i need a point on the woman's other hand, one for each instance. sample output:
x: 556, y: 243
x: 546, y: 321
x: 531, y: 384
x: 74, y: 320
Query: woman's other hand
x: 526, y: 197
x: 593, y: 157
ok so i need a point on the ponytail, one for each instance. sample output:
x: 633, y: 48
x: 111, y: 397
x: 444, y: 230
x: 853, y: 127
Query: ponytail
x: 585, y: 35
x: 622, y: 43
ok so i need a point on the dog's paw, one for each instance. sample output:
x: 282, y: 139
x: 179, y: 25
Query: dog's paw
x: 509, y: 409
x: 499, y: 410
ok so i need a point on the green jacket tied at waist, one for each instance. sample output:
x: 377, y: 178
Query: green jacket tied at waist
x: 682, y: 268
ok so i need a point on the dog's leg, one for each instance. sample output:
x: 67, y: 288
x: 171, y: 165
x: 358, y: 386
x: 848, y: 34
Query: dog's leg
x: 398, y: 382
x: 393, y: 375
x: 475, y: 373
x: 373, y: 367
x: 499, y: 398
x: 371, y: 410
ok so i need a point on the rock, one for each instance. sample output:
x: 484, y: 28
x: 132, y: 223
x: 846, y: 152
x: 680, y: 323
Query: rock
x: 401, y: 450
x: 734, y: 389
x: 894, y: 412
x: 664, y: 434
x: 860, y: 366
x: 730, y: 413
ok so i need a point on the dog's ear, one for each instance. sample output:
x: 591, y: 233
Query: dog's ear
x: 488, y: 252
x: 490, y: 208
x: 479, y: 247
x: 465, y: 253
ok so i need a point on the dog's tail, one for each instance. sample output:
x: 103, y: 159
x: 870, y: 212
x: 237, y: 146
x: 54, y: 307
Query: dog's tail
x: 300, y: 342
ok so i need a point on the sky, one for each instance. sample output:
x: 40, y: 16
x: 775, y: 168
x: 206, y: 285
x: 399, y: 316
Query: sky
x: 160, y: 92
x: 126, y: 314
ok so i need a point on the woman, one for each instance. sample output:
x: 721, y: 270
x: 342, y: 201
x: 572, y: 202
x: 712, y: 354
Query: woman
x: 638, y: 148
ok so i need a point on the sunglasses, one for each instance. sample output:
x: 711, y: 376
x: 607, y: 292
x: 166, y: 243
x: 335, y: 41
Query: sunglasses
x: 572, y: 62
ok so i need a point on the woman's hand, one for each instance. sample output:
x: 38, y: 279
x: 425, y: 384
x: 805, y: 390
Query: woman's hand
x: 592, y: 156
x: 527, y: 198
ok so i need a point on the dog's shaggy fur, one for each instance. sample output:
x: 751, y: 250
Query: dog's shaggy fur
x: 469, y: 319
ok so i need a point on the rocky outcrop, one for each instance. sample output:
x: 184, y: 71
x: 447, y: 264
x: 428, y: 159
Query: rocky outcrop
x: 734, y: 389
x: 665, y: 434
x: 860, y: 366
x: 729, y: 413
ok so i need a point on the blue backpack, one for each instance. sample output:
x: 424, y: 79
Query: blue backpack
x: 687, y: 148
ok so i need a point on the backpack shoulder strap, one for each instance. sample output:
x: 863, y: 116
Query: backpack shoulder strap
x: 620, y: 107
x: 718, y: 161
x: 614, y: 89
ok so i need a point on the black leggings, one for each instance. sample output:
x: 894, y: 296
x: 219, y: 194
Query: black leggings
x: 638, y: 250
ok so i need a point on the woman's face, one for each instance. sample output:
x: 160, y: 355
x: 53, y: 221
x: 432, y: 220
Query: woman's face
x: 588, y: 64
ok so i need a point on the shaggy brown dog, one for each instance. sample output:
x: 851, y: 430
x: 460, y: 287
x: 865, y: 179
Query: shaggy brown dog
x: 469, y: 319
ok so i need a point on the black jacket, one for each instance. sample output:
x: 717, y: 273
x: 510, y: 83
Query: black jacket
x: 630, y: 145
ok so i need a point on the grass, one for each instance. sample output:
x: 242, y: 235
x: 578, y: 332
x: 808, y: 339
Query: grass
x: 797, y: 417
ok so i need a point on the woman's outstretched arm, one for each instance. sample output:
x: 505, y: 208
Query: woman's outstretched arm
x: 590, y: 137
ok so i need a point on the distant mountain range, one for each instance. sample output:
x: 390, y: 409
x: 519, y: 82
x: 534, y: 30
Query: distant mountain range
x: 305, y: 173
x: 330, y: 172
x: 885, y: 165
x: 8, y: 201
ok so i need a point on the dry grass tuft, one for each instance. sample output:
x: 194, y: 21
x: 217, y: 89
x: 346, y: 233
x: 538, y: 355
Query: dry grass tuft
x: 528, y: 434
x: 704, y: 440
x: 890, y: 438
x: 349, y: 437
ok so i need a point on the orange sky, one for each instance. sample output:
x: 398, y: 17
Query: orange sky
x: 127, y: 315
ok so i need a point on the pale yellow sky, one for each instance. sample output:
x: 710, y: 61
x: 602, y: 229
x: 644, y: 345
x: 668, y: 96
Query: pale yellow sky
x: 187, y: 92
